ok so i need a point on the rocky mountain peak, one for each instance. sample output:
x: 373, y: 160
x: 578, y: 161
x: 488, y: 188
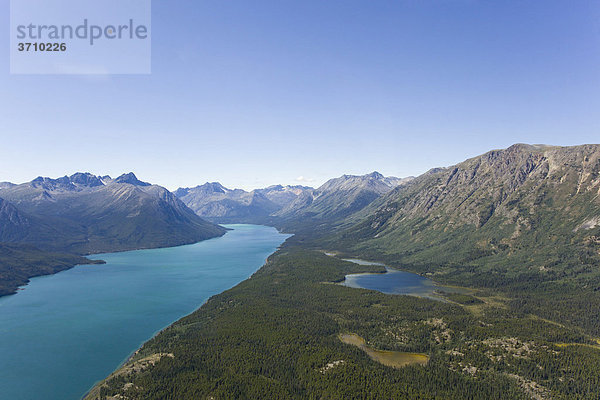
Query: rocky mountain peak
x: 86, y: 179
x: 374, y: 175
x: 214, y: 187
x: 131, y: 179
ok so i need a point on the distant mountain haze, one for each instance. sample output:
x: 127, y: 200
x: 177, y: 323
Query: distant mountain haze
x: 282, y: 205
x: 217, y: 203
x: 501, y: 217
x: 335, y: 200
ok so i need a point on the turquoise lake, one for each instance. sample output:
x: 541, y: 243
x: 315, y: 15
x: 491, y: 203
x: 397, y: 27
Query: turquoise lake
x: 65, y: 332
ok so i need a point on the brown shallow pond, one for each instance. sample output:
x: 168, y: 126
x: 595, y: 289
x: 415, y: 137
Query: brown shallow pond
x: 395, y: 359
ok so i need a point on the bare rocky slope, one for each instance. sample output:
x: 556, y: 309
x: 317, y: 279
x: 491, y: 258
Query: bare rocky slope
x: 524, y: 195
x: 335, y: 200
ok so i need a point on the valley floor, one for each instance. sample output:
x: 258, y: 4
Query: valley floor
x: 277, y: 336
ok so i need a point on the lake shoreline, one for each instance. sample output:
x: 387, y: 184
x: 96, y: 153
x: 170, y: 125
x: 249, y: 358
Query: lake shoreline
x: 136, y: 296
x: 349, y: 280
x: 94, y: 261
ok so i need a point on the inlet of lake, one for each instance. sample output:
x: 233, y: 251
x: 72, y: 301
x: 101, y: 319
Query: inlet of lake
x: 65, y: 332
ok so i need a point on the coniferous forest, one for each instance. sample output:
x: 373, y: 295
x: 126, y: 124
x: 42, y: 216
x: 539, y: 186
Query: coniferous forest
x: 273, y: 335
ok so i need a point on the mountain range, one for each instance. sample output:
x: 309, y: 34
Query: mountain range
x: 504, y: 219
x: 288, y: 205
x: 335, y: 200
x: 47, y: 224
x: 84, y: 214
x: 511, y: 236
x: 523, y: 221
x: 518, y: 229
x: 217, y: 203
x: 510, y: 206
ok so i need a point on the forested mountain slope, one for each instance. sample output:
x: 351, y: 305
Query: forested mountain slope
x: 524, y: 204
x: 19, y: 262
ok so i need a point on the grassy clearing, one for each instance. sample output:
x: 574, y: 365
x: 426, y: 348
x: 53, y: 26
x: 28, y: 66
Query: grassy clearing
x: 591, y: 346
x: 394, y: 359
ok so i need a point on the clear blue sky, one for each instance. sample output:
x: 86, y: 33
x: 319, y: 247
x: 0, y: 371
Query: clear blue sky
x: 252, y: 93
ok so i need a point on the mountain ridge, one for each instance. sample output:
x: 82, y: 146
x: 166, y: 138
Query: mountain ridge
x: 86, y: 214
x: 335, y: 200
x: 522, y: 221
x: 217, y: 203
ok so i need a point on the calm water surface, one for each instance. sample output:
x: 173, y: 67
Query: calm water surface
x: 395, y: 282
x: 66, y: 331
